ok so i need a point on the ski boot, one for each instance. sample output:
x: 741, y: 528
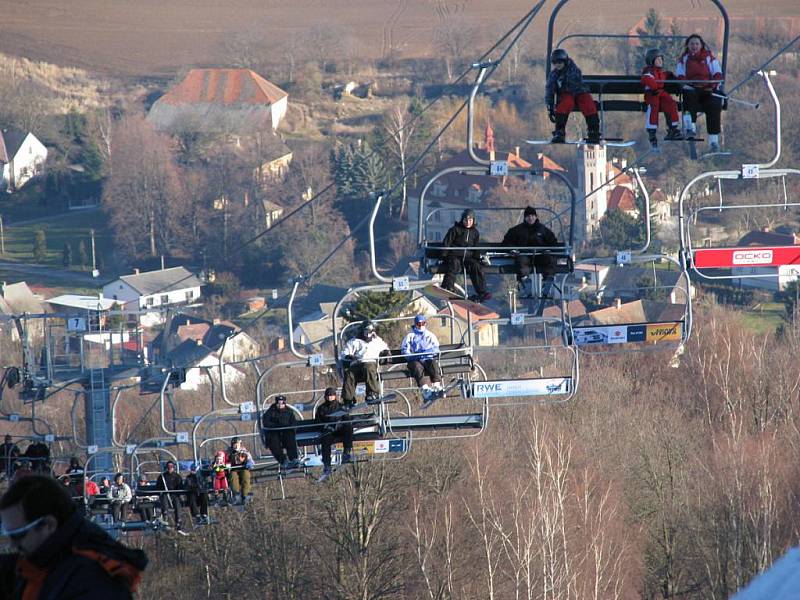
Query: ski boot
x: 652, y: 136
x: 326, y: 473
x: 689, y: 127
x: 593, y: 136
x: 713, y: 143
x: 673, y: 134
x: 559, y: 135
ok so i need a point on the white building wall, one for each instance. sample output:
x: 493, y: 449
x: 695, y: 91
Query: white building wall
x: 278, y: 111
x: 29, y: 161
x: 591, y: 175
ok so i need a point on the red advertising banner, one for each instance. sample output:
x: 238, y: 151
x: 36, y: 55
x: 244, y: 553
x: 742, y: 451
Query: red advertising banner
x: 749, y: 256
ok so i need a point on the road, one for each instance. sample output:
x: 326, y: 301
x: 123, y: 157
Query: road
x: 33, y: 273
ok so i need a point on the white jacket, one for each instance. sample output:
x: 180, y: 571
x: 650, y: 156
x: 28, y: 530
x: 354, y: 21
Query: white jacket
x: 120, y: 493
x: 363, y: 351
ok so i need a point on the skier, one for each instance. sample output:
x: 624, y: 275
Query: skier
x: 363, y: 352
x: 464, y: 234
x: 657, y: 98
x: 339, y: 429
x: 241, y: 462
x: 219, y: 470
x: 532, y: 233
x: 564, y: 91
x: 697, y: 63
x: 420, y: 347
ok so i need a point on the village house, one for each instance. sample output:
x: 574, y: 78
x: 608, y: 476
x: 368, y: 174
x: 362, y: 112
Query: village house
x: 196, y: 345
x: 153, y: 289
x: 229, y: 101
x: 22, y: 157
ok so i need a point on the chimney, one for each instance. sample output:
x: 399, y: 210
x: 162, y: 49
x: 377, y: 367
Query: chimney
x: 618, y: 303
x: 199, y: 342
x: 516, y: 151
x: 215, y: 321
x: 135, y: 271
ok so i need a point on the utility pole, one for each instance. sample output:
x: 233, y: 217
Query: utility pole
x: 2, y: 237
x: 94, y: 262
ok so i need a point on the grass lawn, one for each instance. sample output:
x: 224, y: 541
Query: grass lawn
x: 766, y: 318
x: 69, y: 228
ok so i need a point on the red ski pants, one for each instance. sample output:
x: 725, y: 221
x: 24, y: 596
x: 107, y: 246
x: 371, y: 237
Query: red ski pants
x: 567, y: 102
x: 660, y: 102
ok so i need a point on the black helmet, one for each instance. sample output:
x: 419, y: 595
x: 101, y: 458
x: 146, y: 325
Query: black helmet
x: 368, y: 330
x: 280, y: 398
x: 235, y: 441
x: 330, y: 391
x: 559, y: 55
x: 651, y: 55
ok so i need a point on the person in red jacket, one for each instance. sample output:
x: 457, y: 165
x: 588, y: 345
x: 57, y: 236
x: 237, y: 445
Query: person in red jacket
x: 657, y: 98
x: 697, y: 64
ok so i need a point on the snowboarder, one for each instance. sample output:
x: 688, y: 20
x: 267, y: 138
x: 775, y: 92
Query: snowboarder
x: 363, y: 352
x: 464, y: 234
x: 564, y: 91
x: 698, y: 63
x: 339, y: 429
x: 657, y: 98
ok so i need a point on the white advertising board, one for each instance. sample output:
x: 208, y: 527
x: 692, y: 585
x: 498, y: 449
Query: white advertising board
x: 522, y: 387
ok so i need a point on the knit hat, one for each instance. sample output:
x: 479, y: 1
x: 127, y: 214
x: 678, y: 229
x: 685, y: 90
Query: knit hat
x: 468, y: 212
x: 331, y: 391
x: 529, y: 210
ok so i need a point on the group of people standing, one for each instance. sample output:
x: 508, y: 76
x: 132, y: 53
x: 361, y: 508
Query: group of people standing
x: 702, y: 92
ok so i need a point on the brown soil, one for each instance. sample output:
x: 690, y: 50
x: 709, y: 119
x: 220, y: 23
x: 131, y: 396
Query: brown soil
x: 159, y: 37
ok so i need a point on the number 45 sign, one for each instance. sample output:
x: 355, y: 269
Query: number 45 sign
x: 76, y: 324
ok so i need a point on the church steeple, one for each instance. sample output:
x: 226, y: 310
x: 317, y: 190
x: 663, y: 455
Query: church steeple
x: 488, y: 140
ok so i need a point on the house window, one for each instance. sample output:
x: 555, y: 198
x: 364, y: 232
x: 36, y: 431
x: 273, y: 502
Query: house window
x: 165, y: 299
x: 149, y: 301
x: 120, y: 286
x: 190, y: 294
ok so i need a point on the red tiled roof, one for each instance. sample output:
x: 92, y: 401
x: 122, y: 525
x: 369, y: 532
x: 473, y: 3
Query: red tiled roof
x: 621, y: 198
x: 194, y: 331
x: 223, y: 86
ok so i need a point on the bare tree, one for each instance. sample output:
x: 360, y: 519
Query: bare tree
x: 399, y: 125
x: 143, y: 195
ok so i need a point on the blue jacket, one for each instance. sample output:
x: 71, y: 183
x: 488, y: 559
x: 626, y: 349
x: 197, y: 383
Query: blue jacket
x: 421, y: 343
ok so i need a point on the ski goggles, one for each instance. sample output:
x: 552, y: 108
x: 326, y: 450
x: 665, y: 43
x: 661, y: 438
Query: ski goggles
x: 18, y: 534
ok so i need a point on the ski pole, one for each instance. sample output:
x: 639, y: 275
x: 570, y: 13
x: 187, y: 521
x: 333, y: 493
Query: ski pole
x: 736, y: 100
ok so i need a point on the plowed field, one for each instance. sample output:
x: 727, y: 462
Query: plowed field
x: 158, y: 37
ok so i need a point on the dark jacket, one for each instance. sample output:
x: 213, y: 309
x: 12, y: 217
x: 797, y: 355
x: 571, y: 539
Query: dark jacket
x: 462, y: 237
x: 170, y: 481
x: 523, y: 235
x: 326, y: 408
x: 195, y: 483
x: 278, y: 418
x: 569, y: 79
x: 78, y: 562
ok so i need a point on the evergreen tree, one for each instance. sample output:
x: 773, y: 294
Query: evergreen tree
x: 380, y: 305
x: 67, y: 255
x: 618, y: 230
x: 39, y: 246
x: 83, y: 255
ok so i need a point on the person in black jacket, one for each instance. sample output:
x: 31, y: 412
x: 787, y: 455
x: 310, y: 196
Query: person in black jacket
x: 464, y: 234
x: 197, y: 494
x: 533, y: 233
x: 338, y: 429
x: 169, y: 482
x: 39, y: 455
x: 564, y: 91
x: 58, y: 553
x: 278, y: 423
